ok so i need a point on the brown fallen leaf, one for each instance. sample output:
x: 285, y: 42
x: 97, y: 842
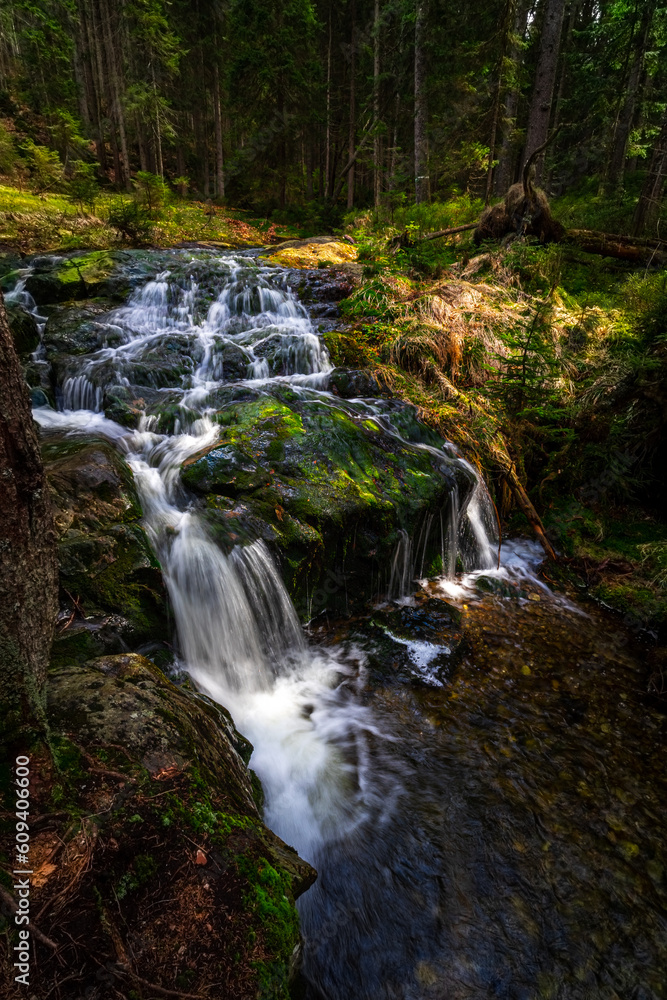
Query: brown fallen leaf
x: 42, y: 874
x: 201, y: 858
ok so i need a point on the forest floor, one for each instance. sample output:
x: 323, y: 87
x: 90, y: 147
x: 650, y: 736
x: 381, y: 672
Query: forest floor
x: 31, y: 223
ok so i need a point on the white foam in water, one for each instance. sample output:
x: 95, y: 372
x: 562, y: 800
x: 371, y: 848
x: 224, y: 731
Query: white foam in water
x: 423, y: 654
x: 239, y: 635
x: 78, y: 422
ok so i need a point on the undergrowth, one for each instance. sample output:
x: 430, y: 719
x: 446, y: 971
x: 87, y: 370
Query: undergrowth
x: 544, y: 359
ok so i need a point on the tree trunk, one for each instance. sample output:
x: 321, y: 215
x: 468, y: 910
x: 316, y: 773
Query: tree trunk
x: 352, y: 124
x: 626, y: 114
x: 28, y: 555
x: 545, y: 80
x: 647, y: 213
x: 219, y: 162
x: 327, y: 155
x: 510, y: 13
x: 504, y: 173
x: 377, y: 166
x: 421, y: 143
x: 94, y: 30
x: 121, y: 166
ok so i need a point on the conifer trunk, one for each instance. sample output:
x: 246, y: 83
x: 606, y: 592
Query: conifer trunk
x: 647, y: 213
x: 545, y: 81
x: 219, y: 162
x: 28, y: 561
x: 421, y: 146
x: 504, y: 173
x: 377, y: 166
x: 352, y: 123
x: 638, y: 44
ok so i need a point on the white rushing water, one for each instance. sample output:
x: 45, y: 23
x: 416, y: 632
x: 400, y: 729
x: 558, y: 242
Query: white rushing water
x: 239, y: 635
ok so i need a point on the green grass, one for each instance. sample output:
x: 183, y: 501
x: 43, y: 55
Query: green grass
x: 35, y: 223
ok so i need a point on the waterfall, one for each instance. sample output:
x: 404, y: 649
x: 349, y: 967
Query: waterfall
x: 238, y: 633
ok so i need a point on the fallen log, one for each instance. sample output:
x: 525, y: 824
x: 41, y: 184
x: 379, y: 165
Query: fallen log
x: 636, y: 251
x: 406, y: 240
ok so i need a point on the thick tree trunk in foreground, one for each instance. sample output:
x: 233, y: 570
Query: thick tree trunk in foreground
x: 545, y: 80
x: 28, y: 560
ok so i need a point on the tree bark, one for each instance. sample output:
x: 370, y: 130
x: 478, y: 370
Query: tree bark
x: 422, y: 192
x: 121, y: 158
x: 545, y: 80
x: 626, y: 114
x: 327, y: 155
x: 28, y: 555
x: 504, y: 174
x: 352, y: 123
x: 219, y: 162
x: 377, y: 167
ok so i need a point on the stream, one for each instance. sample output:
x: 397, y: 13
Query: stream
x: 494, y: 825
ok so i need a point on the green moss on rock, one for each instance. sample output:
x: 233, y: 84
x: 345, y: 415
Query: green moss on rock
x: 183, y: 828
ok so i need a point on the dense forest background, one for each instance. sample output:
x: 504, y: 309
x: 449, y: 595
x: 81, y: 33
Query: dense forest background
x: 276, y: 105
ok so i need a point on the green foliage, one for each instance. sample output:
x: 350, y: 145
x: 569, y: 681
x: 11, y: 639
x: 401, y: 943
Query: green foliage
x: 528, y: 370
x: 46, y: 169
x: 8, y: 153
x: 83, y: 188
x: 142, y: 871
x: 152, y: 192
x: 132, y: 221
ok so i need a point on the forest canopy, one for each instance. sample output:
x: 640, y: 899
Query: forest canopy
x: 273, y: 105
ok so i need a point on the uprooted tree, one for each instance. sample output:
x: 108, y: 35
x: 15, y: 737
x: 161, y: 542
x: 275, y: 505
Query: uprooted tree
x: 524, y: 211
x: 28, y: 559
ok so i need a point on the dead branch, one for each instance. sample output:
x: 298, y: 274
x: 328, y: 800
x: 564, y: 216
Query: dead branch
x: 9, y: 906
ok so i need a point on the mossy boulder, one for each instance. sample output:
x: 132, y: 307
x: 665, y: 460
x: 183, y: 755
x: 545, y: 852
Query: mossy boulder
x: 328, y: 487
x: 74, y: 330
x: 23, y: 329
x: 113, y: 592
x: 165, y: 869
x: 78, y: 276
x: 10, y: 263
x: 322, y: 251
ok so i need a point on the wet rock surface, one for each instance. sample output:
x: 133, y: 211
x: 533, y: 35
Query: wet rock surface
x: 23, y: 328
x: 332, y: 491
x: 419, y: 644
x: 113, y: 595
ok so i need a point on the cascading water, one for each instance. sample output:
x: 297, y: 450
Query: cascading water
x: 323, y: 755
x: 470, y: 833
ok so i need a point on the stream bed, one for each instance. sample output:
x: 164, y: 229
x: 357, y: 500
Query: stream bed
x: 469, y: 759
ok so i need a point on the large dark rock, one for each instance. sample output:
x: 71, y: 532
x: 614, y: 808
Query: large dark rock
x: 417, y: 644
x: 23, y: 328
x: 329, y: 489
x: 161, y: 841
x: 74, y: 329
x: 99, y: 273
x: 112, y: 589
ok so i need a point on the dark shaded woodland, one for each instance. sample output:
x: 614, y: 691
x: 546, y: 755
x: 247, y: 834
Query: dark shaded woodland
x: 357, y: 103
